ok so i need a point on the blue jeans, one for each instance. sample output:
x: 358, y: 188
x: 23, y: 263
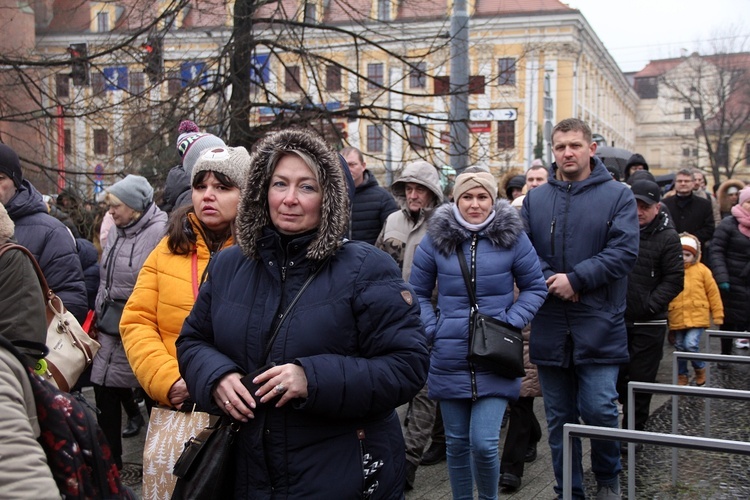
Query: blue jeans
x: 588, y: 393
x: 472, y: 432
x: 688, y: 341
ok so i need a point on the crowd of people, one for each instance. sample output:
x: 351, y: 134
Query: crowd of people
x: 346, y: 300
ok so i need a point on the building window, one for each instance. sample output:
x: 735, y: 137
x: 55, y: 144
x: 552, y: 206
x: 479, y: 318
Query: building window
x: 686, y: 152
x: 174, y: 83
x: 310, y: 13
x: 476, y: 84
x: 417, y: 76
x: 98, y: 83
x: 375, y: 76
x: 416, y: 137
x: 101, y: 142
x: 384, y: 10
x: 137, y: 83
x: 695, y: 152
x: 102, y: 22
x: 442, y: 85
x: 506, y: 134
x: 333, y: 78
x: 747, y: 153
x: 698, y: 113
x: 506, y: 71
x: 688, y: 113
x: 62, y: 85
x: 647, y: 87
x: 291, y: 79
x: 375, y: 138
x: 67, y: 138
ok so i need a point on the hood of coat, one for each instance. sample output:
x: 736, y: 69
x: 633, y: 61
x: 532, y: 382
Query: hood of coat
x: 6, y: 225
x: 447, y: 233
x: 151, y: 215
x: 27, y: 201
x: 599, y: 174
x: 253, y: 214
x: 418, y: 172
x: 661, y: 222
x: 721, y: 193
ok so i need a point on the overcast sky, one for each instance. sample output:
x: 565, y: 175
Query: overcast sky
x: 636, y: 31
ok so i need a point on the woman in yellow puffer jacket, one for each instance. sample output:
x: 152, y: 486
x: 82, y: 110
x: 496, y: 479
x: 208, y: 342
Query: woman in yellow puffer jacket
x: 169, y: 280
x: 691, y: 311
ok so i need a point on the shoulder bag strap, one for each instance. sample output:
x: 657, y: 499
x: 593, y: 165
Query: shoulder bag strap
x: 289, y: 308
x: 48, y: 294
x: 467, y: 279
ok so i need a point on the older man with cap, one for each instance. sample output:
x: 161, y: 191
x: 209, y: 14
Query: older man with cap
x: 656, y: 279
x: 51, y: 243
x: 418, y: 193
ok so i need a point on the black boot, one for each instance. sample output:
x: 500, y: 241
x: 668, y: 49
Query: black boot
x: 134, y: 426
x: 434, y: 454
x: 411, y: 474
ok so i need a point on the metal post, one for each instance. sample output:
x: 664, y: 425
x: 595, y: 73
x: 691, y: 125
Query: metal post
x: 459, y: 87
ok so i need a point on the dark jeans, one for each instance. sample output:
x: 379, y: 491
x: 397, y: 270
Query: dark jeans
x: 646, y: 347
x: 523, y: 430
x: 726, y: 344
x: 109, y: 401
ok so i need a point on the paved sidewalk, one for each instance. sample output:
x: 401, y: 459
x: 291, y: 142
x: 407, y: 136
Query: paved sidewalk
x: 701, y: 475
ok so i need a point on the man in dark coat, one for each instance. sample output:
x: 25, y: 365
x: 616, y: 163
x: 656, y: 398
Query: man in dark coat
x: 584, y: 228
x: 657, y: 278
x: 51, y: 243
x: 372, y: 204
x: 690, y: 213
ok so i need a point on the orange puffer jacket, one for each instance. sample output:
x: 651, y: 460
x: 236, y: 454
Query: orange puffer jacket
x: 153, y: 316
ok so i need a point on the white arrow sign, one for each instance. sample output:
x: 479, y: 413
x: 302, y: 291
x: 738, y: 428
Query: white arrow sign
x: 427, y: 118
x: 502, y: 114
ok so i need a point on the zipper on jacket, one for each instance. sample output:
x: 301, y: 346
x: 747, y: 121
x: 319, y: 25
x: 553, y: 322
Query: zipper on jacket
x: 473, y: 262
x: 552, y: 235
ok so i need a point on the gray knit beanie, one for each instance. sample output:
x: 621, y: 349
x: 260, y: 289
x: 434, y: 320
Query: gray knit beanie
x: 232, y: 162
x: 134, y: 191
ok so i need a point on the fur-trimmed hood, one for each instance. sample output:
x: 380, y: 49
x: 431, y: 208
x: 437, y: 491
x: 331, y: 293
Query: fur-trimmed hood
x: 721, y: 193
x: 447, y: 233
x: 253, y: 214
x: 6, y: 225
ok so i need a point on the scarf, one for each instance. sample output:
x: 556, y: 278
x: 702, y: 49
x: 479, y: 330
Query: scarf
x: 743, y: 219
x: 468, y: 225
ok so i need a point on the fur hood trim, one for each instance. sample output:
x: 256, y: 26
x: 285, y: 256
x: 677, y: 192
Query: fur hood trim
x: 721, y: 194
x: 253, y: 214
x: 447, y: 233
x: 6, y: 225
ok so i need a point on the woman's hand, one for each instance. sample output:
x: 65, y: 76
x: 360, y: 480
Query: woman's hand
x: 232, y: 396
x: 178, y: 393
x: 285, y: 382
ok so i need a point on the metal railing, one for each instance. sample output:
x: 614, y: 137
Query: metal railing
x: 571, y: 431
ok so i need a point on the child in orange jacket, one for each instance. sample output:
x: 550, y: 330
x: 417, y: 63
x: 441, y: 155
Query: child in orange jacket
x: 691, y: 311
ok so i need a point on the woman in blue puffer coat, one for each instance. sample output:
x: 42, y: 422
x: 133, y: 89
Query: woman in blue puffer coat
x: 323, y: 423
x: 472, y: 399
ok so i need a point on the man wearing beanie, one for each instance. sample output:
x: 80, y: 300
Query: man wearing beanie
x: 584, y: 228
x: 190, y: 144
x: 51, y: 243
x: 655, y: 280
x: 418, y: 193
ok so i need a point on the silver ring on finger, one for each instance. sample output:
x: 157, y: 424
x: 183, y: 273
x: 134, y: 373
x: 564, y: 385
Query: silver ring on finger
x: 279, y: 389
x: 228, y: 403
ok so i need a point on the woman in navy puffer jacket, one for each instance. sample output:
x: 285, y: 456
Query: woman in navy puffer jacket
x: 473, y: 400
x: 323, y: 423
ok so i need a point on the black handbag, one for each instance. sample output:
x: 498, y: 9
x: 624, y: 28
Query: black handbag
x: 493, y: 344
x: 109, y: 320
x: 203, y: 468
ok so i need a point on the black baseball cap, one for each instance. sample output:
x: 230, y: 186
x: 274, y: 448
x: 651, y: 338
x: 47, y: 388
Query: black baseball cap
x: 646, y: 191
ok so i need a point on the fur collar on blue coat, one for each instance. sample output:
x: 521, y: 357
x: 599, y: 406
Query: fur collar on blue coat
x: 447, y: 233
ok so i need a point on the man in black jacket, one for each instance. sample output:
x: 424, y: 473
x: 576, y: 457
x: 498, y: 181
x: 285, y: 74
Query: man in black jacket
x: 657, y: 278
x: 51, y: 243
x: 372, y: 204
x: 690, y: 213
